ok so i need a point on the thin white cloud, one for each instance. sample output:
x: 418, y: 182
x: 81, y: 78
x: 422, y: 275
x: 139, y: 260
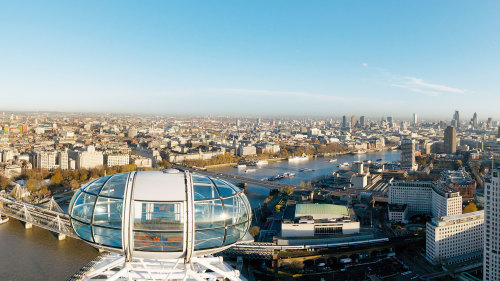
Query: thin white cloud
x: 417, y: 85
x: 417, y: 90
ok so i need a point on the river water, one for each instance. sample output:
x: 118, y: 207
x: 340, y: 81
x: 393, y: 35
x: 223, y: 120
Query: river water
x: 36, y: 254
x: 320, y: 167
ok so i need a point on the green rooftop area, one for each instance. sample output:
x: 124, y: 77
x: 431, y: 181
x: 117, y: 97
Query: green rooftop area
x: 306, y: 209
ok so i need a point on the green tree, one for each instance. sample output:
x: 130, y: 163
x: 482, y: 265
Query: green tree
x: 128, y: 168
x: 287, y: 189
x: 254, y: 231
x: 4, y: 181
x: 31, y: 174
x: 74, y: 184
x: 165, y: 164
x: 32, y: 185
x: 57, y: 178
x: 471, y: 207
x: 84, y: 174
x: 94, y: 173
x: 44, y: 191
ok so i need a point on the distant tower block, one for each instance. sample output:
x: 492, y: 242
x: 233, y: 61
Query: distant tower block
x: 450, y: 140
x: 408, y: 161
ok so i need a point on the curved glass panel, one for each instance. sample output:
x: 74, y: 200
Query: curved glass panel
x: 203, y: 188
x: 73, y: 199
x: 158, y: 241
x: 107, y: 236
x: 247, y: 204
x: 224, y: 188
x: 83, y: 230
x: 158, y: 216
x: 97, y: 208
x: 83, y: 207
x: 235, y: 233
x: 108, y: 212
x: 245, y: 199
x: 95, y: 186
x: 236, y: 211
x: 115, y: 186
x: 208, y: 214
x: 206, y: 239
x: 246, y: 208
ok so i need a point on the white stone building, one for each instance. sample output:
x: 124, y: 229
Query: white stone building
x: 453, y: 239
x: 117, y: 160
x: 89, y: 159
x: 319, y: 219
x: 423, y: 197
x: 143, y: 162
x: 46, y: 160
x: 247, y: 150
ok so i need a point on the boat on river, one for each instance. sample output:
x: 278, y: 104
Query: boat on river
x: 297, y: 159
x: 275, y: 177
x: 343, y: 165
x: 305, y: 170
x: 262, y: 162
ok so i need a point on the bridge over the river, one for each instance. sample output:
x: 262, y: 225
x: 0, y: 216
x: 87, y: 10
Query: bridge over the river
x: 47, y: 216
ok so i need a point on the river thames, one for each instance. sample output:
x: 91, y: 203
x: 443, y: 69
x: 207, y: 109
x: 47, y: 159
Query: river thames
x: 319, y: 166
x: 36, y: 254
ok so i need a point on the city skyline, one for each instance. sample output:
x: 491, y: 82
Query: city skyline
x: 335, y: 117
x: 269, y: 59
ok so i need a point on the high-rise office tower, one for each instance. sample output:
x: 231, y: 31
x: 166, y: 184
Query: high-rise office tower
x: 389, y: 120
x: 450, y: 140
x: 456, y: 117
x: 415, y: 119
x: 344, y: 121
x: 353, y: 121
x: 489, y: 123
x: 491, y: 252
x: 403, y: 126
x: 408, y: 155
x: 362, y: 121
x: 474, y: 121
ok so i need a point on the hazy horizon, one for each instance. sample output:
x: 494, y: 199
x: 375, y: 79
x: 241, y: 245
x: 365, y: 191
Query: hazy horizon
x: 280, y: 58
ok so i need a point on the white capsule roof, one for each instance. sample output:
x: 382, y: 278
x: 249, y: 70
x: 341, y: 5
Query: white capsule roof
x: 160, y: 214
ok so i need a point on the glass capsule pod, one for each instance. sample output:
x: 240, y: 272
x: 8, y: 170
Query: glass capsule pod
x: 160, y: 214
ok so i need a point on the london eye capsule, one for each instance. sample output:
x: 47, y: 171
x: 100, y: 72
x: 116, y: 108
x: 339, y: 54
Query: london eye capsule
x: 160, y: 214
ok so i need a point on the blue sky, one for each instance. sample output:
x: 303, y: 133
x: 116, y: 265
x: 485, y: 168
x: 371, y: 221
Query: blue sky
x: 317, y: 58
